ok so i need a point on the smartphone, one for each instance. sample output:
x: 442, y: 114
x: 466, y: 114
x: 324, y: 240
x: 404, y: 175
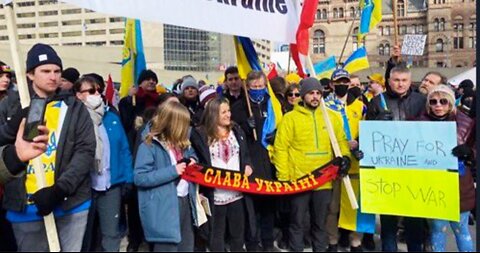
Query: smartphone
x: 35, y: 116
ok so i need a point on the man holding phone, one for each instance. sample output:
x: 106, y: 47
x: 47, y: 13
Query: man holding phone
x: 68, y: 158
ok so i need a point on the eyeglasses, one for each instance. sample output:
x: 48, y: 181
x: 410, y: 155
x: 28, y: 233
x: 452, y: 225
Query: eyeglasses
x: 291, y: 94
x: 90, y: 91
x: 443, y: 101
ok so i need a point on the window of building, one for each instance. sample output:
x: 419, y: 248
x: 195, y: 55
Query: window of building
x: 386, y: 31
x: 387, y: 49
x: 381, y: 50
x: 440, y: 64
x: 26, y: 36
x: 88, y: 11
x: 380, y: 30
x: 72, y: 34
x: 25, y: 15
x: 117, y: 31
x: 442, y: 24
x: 48, y: 35
x: 47, y: 2
x: 436, y: 25
x: 400, y: 8
x: 335, y: 13
x: 472, y: 42
x: 319, y: 14
x: 318, y: 42
x: 439, y: 46
x: 324, y: 14
x: 116, y: 19
x: 355, y: 44
x: 73, y: 44
x: 48, y: 24
x: 47, y: 13
x: 24, y: 26
x: 95, y: 21
x: 403, y: 29
x: 352, y: 12
x: 340, y: 13
x: 96, y: 43
x: 458, y: 36
x: 3, y: 27
x: 72, y: 22
x: 96, y: 32
x: 412, y: 29
x: 26, y: 4
x: 4, y: 37
x: 71, y: 11
x: 419, y: 29
x: 116, y: 42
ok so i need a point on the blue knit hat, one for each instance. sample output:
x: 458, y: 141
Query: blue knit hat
x: 41, y: 54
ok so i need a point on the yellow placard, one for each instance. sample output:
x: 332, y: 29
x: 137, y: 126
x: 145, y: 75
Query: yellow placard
x: 411, y: 192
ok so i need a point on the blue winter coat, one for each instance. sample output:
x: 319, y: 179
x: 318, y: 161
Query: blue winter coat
x: 121, y: 164
x: 156, y: 179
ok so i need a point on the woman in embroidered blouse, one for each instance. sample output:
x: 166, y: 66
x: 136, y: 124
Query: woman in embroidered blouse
x: 221, y: 143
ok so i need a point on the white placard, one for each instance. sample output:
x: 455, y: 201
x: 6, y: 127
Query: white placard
x: 413, y: 44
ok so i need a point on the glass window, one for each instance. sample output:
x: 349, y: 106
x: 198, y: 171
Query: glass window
x: 386, y: 31
x: 381, y: 50
x: 340, y: 13
x: 335, y: 13
x: 387, y: 49
x: 318, y: 42
x: 352, y: 12
x: 442, y: 24
x: 324, y: 14
x: 439, y: 45
x: 436, y: 24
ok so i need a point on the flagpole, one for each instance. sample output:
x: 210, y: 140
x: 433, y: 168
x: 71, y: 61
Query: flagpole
x: 346, y: 40
x: 250, y: 113
x: 333, y: 139
x: 49, y: 220
x: 289, y: 57
x: 395, y: 23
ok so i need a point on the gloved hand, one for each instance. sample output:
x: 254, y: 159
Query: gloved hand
x: 47, y: 199
x: 463, y: 152
x: 185, y: 160
x: 251, y: 122
x: 344, y: 164
x: 127, y: 189
x: 358, y: 154
x: 270, y: 138
x: 386, y: 115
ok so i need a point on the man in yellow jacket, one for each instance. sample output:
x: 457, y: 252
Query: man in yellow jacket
x: 302, y: 145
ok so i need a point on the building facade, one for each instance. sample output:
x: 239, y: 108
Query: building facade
x: 172, y: 47
x: 448, y: 24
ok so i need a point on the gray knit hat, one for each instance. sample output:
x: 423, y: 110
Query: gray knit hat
x: 189, y: 82
x: 309, y: 84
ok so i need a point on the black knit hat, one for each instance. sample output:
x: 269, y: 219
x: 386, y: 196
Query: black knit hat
x: 71, y: 74
x: 41, y: 54
x: 309, y: 84
x: 146, y: 75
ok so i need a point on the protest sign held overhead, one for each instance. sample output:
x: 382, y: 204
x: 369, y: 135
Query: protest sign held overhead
x: 413, y: 44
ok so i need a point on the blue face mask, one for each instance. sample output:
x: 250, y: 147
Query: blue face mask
x: 257, y: 95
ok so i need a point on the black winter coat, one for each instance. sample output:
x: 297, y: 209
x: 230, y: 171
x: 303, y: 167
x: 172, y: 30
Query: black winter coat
x: 410, y: 106
x: 74, y: 159
x: 262, y: 167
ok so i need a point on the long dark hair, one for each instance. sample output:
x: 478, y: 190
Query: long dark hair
x: 210, y: 119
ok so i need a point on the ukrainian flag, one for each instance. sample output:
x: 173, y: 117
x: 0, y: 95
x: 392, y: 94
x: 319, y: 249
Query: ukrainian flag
x: 371, y: 14
x: 324, y: 69
x: 133, y: 57
x: 351, y: 219
x: 247, y: 61
x: 357, y: 61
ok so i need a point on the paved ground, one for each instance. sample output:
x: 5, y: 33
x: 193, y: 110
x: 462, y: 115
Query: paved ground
x: 451, y: 245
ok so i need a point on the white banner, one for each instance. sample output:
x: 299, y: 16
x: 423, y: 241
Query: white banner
x: 274, y: 20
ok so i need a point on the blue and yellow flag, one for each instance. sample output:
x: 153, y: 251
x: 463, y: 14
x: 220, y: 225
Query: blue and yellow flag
x: 247, y: 60
x: 324, y: 69
x: 133, y: 57
x: 371, y: 15
x: 357, y: 61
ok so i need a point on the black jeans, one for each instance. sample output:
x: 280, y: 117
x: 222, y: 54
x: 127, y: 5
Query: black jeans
x: 317, y: 202
x: 265, y: 209
x: 414, y: 233
x: 7, y: 238
x: 231, y: 216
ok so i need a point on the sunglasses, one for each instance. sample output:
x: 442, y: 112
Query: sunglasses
x: 443, y: 101
x: 90, y: 91
x: 291, y: 94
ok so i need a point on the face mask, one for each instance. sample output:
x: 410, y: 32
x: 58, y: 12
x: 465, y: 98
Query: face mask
x: 326, y: 93
x: 95, y: 103
x: 257, y: 95
x: 355, y: 92
x: 341, y: 90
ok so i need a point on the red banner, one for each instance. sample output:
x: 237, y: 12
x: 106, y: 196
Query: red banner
x: 233, y: 180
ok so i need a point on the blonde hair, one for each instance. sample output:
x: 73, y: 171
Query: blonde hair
x: 171, y: 124
x: 441, y: 94
x: 211, y: 119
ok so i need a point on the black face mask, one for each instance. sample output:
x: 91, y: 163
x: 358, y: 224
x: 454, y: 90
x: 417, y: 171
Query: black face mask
x: 341, y: 90
x: 353, y: 93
